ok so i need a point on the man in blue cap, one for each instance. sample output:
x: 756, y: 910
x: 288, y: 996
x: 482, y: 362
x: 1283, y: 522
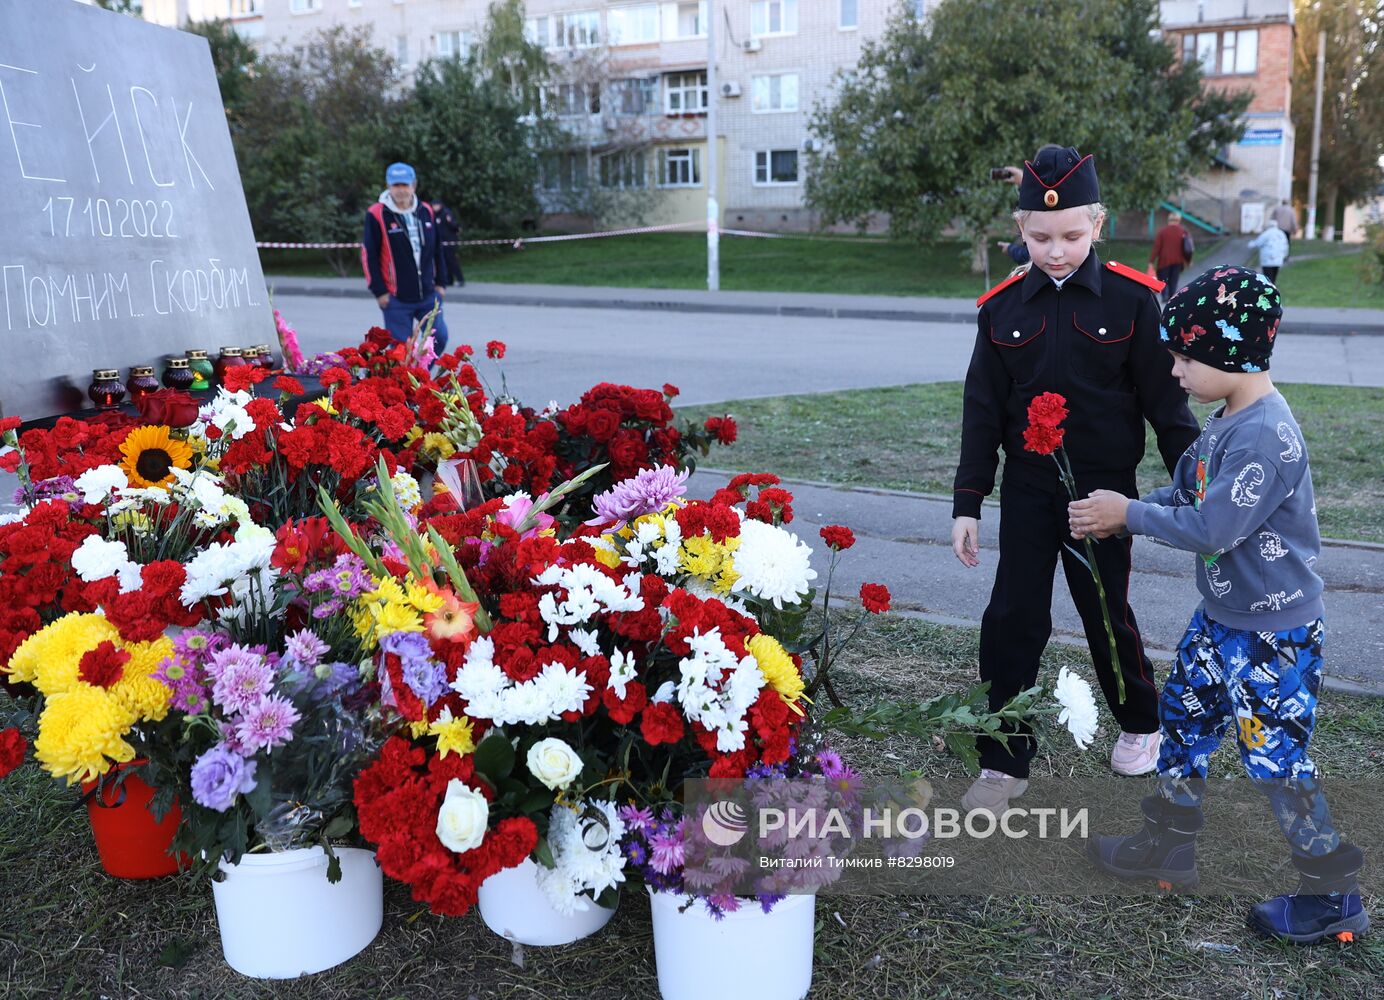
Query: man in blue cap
x: 401, y: 254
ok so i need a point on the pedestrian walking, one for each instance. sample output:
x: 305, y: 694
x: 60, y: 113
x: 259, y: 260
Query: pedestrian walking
x: 1172, y: 251
x: 402, y: 258
x: 1272, y: 245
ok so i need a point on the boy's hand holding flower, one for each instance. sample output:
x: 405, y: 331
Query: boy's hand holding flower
x: 1102, y: 514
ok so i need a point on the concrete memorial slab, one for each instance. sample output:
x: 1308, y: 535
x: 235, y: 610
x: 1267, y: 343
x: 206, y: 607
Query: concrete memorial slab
x: 126, y: 236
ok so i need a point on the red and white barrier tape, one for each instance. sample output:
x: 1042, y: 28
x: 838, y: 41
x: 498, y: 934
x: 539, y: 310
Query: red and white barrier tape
x: 517, y: 242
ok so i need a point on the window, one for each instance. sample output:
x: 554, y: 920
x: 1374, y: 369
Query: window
x: 776, y: 166
x: 775, y: 92
x: 684, y: 20
x: 536, y: 31
x: 774, y: 17
x: 634, y: 96
x: 453, y: 44
x: 562, y: 171
x: 1223, y: 53
x: 244, y: 8
x: 850, y: 14
x: 632, y: 25
x: 679, y: 168
x: 621, y: 171
x: 579, y: 29
x: 686, y: 93
x: 569, y: 100
x: 401, y: 49
x: 303, y: 6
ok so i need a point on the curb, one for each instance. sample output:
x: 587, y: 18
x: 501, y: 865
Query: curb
x: 558, y: 301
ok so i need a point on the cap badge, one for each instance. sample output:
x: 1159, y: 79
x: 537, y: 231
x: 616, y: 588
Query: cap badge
x: 1050, y: 198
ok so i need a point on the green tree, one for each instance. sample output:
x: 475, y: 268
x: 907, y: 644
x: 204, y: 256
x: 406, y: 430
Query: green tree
x: 314, y: 137
x: 132, y: 7
x: 1352, y: 101
x: 505, y: 53
x: 233, y: 58
x: 472, y: 145
x: 982, y: 83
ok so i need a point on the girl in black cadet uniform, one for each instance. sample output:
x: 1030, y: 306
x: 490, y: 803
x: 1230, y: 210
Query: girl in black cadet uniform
x: 1089, y: 331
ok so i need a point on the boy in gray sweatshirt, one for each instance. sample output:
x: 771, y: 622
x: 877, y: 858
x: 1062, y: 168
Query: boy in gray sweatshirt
x: 1241, y: 499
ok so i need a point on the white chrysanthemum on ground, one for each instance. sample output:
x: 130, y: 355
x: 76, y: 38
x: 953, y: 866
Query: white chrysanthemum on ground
x: 1078, y: 713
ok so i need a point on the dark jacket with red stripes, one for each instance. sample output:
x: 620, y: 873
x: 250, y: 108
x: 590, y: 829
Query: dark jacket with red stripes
x: 1095, y: 341
x: 387, y: 256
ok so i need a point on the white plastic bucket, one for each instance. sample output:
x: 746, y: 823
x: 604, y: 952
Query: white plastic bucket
x: 513, y: 906
x: 748, y: 953
x: 280, y: 918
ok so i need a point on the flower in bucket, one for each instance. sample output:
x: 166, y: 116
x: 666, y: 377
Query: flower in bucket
x: 1043, y: 436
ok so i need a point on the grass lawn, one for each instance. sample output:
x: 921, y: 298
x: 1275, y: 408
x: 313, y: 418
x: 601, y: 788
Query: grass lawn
x: 67, y: 930
x: 678, y: 260
x: 1332, y: 277
x: 907, y: 438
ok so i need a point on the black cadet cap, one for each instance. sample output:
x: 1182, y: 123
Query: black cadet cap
x: 1058, y: 178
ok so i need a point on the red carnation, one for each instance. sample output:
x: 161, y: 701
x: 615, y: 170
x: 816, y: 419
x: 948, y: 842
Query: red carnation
x: 723, y: 429
x: 104, y: 665
x: 495, y: 349
x: 875, y: 597
x: 1048, y: 410
x: 241, y: 377
x: 290, y: 385
x: 12, y: 748
x: 838, y: 536
x: 670, y: 390
x: 1042, y: 439
x: 8, y: 424
x: 661, y: 723
x: 335, y: 376
x: 9, y: 461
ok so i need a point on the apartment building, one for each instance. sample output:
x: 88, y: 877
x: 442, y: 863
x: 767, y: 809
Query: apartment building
x: 1242, y: 45
x: 630, y: 84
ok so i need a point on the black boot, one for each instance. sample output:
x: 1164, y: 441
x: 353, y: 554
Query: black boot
x: 1326, y: 904
x: 1165, y: 849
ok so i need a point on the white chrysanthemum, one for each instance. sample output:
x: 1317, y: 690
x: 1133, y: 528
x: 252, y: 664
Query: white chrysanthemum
x: 585, y: 640
x: 589, y: 592
x: 1078, y: 713
x: 491, y: 694
x: 96, y: 559
x: 772, y: 564
x: 585, y: 844
x: 716, y: 688
x: 406, y: 491
x: 622, y: 671
x: 227, y: 413
x: 97, y: 484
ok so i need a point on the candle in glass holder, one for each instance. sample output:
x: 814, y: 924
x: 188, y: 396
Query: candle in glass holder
x: 106, y: 389
x: 177, y: 374
x: 142, y: 382
x: 250, y: 355
x: 230, y: 357
x: 202, y: 373
x: 266, y: 357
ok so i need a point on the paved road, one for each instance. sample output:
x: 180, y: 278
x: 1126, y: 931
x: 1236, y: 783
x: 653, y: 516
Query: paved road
x: 556, y: 353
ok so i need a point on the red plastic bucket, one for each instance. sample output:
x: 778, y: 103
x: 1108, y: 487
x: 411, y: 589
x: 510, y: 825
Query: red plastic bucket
x: 130, y: 842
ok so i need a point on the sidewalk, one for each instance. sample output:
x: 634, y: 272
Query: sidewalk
x: 903, y: 540
x: 910, y: 309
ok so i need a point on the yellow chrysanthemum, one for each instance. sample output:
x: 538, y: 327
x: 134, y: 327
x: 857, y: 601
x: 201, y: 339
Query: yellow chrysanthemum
x: 439, y: 445
x: 136, y: 520
x: 364, y: 624
x: 136, y: 690
x: 150, y: 453
x: 423, y: 600
x: 712, y: 561
x: 606, y: 552
x: 391, y: 618
x: 778, y: 668
x: 387, y: 591
x: 454, y: 735
x: 418, y: 728
x: 80, y: 732
x: 50, y: 658
x: 325, y: 404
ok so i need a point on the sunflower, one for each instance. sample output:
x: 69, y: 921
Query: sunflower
x: 150, y: 454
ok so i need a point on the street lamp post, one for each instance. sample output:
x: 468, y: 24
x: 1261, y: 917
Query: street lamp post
x: 713, y: 211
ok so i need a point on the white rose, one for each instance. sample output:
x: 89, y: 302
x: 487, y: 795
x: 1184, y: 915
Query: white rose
x: 554, y: 763
x: 462, y: 820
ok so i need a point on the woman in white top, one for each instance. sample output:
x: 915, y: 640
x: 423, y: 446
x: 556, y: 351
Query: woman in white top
x: 1272, y: 245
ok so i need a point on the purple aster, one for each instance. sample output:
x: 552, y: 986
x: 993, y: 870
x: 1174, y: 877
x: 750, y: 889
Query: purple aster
x: 344, y: 580
x: 330, y: 679
x: 58, y: 488
x: 667, y: 851
x: 646, y: 493
x: 186, y: 679
x: 637, y: 853
x: 305, y: 649
x: 425, y: 676
x: 243, y: 678
x: 198, y: 647
x: 830, y: 763
x: 219, y: 775
x: 637, y: 818
x: 267, y: 724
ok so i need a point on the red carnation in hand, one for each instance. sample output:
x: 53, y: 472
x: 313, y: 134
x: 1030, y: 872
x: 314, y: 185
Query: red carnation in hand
x: 875, y: 597
x: 838, y: 536
x: 104, y: 665
x: 1047, y: 410
x: 495, y: 349
x: 12, y: 748
x: 1041, y: 439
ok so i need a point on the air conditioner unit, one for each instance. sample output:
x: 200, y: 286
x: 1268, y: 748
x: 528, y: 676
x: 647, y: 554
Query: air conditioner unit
x: 753, y: 45
x: 730, y: 89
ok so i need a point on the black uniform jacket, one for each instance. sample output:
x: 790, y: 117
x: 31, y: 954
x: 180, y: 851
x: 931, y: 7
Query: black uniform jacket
x: 1095, y: 341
